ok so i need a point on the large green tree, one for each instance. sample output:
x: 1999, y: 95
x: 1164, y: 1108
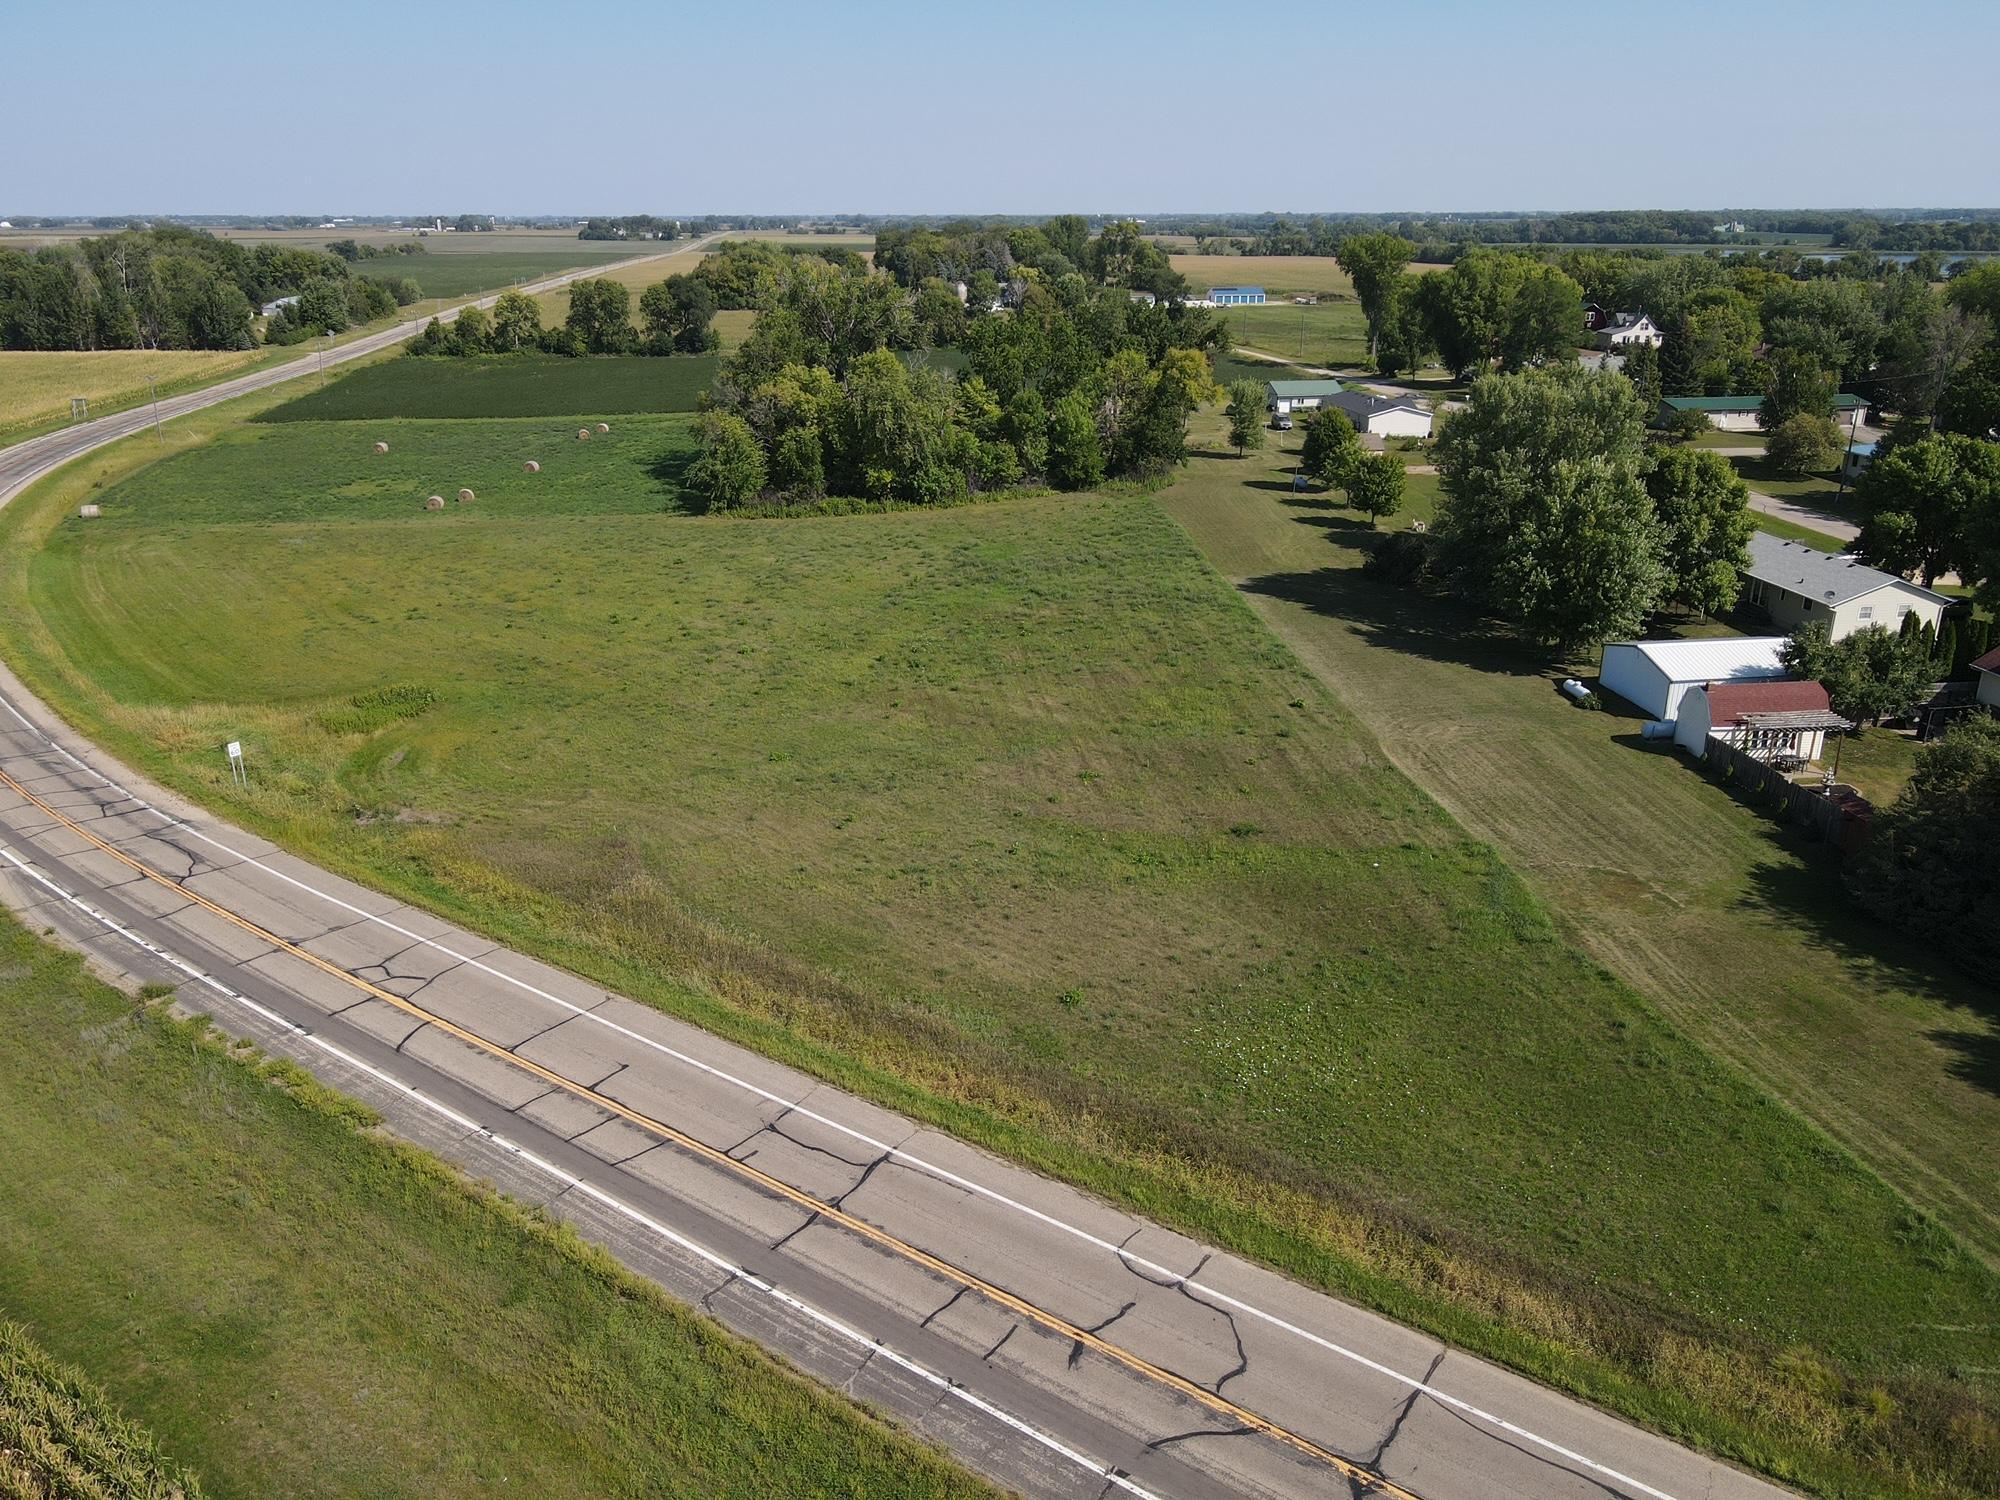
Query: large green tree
x: 1375, y: 485
x: 1931, y: 865
x: 600, y: 315
x: 1544, y: 320
x: 1703, y: 508
x: 1331, y: 447
x: 517, y: 321
x: 729, y: 470
x: 677, y: 316
x: 1375, y: 262
x: 1928, y: 504
x: 1246, y: 415
x: 1545, y: 518
x: 1872, y: 674
x: 1468, y: 309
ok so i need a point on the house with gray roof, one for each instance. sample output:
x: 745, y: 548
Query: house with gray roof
x: 1384, y: 416
x: 1797, y: 585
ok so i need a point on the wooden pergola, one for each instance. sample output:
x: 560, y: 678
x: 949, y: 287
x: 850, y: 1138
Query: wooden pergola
x: 1774, y: 737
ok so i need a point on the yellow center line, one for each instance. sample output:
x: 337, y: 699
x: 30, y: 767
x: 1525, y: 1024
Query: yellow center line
x: 1056, y: 1324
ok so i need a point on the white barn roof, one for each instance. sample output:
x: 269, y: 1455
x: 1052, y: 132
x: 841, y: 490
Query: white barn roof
x: 1721, y: 660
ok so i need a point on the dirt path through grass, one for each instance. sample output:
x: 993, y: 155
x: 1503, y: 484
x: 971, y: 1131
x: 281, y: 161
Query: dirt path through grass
x: 1699, y: 902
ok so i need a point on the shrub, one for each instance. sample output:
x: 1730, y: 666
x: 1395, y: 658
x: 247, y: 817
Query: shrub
x: 1804, y: 444
x: 1401, y: 558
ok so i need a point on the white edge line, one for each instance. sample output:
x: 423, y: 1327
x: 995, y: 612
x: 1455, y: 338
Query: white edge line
x: 945, y: 1174
x: 805, y: 1309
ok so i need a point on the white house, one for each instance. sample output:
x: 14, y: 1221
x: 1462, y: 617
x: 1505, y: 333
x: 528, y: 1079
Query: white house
x: 1282, y: 396
x: 1626, y: 329
x: 270, y: 309
x: 1383, y: 416
x: 1739, y: 413
x: 1653, y: 676
x: 1726, y: 711
x: 1799, y: 585
x: 1989, y: 678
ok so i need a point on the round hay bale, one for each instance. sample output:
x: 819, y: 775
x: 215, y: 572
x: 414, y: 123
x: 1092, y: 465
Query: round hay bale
x: 583, y: 434
x: 381, y: 447
x: 463, y: 496
x: 603, y: 426
x: 436, y: 502
x: 532, y: 467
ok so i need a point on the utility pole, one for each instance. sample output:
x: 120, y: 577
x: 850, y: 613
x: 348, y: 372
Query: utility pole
x: 153, y: 385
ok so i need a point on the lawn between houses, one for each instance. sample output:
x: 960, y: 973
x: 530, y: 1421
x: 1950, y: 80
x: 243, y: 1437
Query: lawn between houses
x: 296, y: 1306
x: 1014, y: 817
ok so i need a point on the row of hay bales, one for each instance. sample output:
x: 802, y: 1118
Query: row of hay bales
x: 465, y: 497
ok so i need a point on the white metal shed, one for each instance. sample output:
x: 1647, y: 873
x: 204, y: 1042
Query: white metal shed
x: 1652, y: 675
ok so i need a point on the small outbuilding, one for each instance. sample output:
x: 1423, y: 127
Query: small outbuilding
x: 1283, y: 396
x: 1653, y: 676
x: 1798, y: 585
x: 1988, y: 667
x: 1774, y: 721
x: 1857, y: 460
x: 1237, y: 296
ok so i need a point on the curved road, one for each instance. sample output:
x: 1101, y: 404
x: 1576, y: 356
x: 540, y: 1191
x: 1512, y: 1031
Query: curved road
x: 1058, y: 1345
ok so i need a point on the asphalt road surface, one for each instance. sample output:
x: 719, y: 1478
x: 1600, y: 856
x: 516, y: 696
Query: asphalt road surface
x: 1058, y: 1345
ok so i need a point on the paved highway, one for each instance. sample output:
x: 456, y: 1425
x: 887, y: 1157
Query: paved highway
x: 1058, y: 1345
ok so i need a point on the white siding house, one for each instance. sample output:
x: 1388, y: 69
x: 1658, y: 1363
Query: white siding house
x: 1799, y: 585
x: 1627, y: 329
x: 1283, y: 396
x: 1653, y: 676
x: 1740, y: 413
x: 1384, y: 416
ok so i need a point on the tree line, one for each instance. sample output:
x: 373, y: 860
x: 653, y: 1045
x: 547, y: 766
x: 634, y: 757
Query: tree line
x: 675, y: 316
x: 1074, y: 383
x: 174, y: 288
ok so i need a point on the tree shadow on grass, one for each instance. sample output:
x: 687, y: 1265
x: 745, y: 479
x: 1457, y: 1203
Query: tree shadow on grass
x: 1804, y: 890
x: 1405, y: 620
x: 669, y: 471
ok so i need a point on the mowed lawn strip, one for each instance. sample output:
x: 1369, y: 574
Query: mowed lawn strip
x: 506, y: 385
x: 1013, y: 816
x: 296, y: 1307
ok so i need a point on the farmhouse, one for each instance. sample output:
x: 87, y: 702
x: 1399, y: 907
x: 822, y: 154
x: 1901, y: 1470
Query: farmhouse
x: 1626, y: 329
x: 1739, y: 413
x: 1382, y: 416
x: 1282, y: 396
x: 1799, y: 585
x: 1781, y: 721
x: 1237, y: 296
x: 1654, y: 676
x: 1989, y: 678
x: 270, y: 309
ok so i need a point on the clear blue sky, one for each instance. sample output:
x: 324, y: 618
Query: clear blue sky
x: 620, y: 106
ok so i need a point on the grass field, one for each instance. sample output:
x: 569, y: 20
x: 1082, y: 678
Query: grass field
x: 514, y: 385
x: 300, y: 1308
x: 1327, y: 333
x: 1014, y: 816
x: 61, y: 1436
x: 35, y: 387
x: 1821, y: 492
x: 462, y: 275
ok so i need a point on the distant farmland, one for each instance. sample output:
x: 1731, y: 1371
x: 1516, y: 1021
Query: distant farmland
x: 507, y: 385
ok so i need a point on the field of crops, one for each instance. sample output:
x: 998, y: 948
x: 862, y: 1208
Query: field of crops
x: 35, y: 387
x: 511, y: 385
x: 61, y: 1436
x: 1277, y: 274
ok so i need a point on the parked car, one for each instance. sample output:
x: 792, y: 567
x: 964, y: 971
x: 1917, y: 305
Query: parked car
x: 1282, y: 422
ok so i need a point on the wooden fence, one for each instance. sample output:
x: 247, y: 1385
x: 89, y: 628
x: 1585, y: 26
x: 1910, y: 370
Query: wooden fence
x: 1841, y: 819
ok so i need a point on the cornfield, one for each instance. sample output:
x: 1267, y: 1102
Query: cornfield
x: 61, y: 1438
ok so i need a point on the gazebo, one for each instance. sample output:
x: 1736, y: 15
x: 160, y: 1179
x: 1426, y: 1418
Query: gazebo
x: 1789, y: 738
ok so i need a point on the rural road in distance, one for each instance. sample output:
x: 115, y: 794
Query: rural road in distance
x: 1056, y: 1344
